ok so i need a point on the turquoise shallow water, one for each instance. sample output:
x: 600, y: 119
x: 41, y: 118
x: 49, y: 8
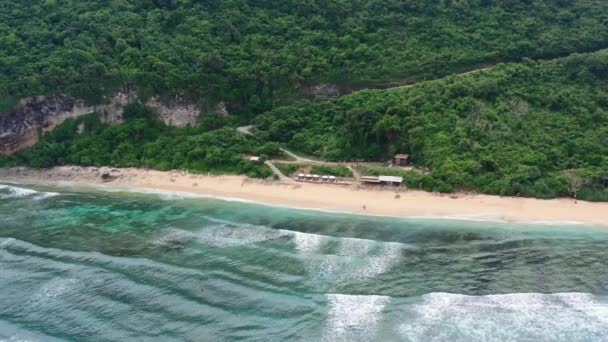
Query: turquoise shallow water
x: 96, y: 266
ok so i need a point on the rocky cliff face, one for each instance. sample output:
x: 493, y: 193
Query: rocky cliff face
x: 175, y: 111
x: 19, y: 126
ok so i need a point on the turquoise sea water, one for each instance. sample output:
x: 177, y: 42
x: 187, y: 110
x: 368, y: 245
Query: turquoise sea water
x: 96, y: 266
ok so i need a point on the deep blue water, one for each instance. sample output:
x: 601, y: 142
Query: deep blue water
x: 95, y: 266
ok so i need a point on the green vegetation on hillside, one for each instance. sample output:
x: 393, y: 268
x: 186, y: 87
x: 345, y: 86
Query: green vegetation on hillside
x: 329, y: 170
x: 326, y: 170
x: 143, y: 141
x: 529, y: 129
x: 251, y: 53
x: 513, y: 130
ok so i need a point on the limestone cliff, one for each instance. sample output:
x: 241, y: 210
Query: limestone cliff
x: 175, y: 111
x: 19, y: 126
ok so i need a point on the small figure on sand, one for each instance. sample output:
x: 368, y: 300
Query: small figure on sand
x: 364, y: 208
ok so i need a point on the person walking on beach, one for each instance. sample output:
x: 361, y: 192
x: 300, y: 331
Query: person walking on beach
x: 364, y: 208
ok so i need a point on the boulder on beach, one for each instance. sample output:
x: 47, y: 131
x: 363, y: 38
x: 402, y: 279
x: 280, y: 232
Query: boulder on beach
x: 108, y: 177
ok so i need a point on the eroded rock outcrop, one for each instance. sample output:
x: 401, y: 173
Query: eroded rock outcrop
x: 175, y: 111
x: 19, y: 127
x: 323, y: 91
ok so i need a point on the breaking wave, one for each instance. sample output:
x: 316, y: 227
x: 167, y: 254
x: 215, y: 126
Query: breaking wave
x: 513, y: 317
x: 353, y: 317
x: 7, y: 191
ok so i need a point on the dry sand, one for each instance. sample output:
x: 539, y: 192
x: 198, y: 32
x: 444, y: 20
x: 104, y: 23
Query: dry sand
x: 377, y: 201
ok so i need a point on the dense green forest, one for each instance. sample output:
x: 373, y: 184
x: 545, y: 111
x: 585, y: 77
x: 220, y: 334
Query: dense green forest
x: 144, y: 141
x: 524, y: 129
x: 255, y: 53
x: 512, y: 130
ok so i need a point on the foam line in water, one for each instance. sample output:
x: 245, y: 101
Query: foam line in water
x: 227, y: 236
x: 308, y: 243
x: 354, y: 259
x: 514, y: 317
x: 14, y: 191
x: 223, y: 234
x: 380, y: 264
x: 17, y: 191
x: 162, y: 194
x: 353, y: 317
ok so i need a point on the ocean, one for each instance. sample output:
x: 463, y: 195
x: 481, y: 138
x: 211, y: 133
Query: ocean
x: 116, y: 266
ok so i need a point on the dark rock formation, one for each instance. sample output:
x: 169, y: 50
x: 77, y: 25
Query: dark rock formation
x: 19, y: 126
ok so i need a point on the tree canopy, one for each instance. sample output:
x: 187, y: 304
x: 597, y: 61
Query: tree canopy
x: 254, y: 53
x: 144, y: 141
x: 525, y: 127
x: 512, y: 130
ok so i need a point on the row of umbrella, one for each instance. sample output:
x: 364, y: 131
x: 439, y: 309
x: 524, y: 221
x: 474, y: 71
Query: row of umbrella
x: 316, y: 177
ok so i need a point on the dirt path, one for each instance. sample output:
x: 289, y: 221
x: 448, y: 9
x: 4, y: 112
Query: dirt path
x: 457, y: 75
x: 301, y: 159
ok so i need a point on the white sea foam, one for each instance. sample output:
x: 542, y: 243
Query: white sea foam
x: 47, y: 195
x: 232, y: 234
x: 227, y: 236
x: 355, y: 247
x: 354, y: 259
x: 308, y: 243
x: 173, y: 235
x: 7, y: 242
x: 172, y: 195
x: 53, y: 289
x: 376, y: 265
x: 353, y: 317
x: 17, y: 192
x: 14, y: 191
x: 514, y: 317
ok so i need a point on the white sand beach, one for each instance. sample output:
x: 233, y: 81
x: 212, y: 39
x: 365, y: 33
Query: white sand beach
x: 394, y: 202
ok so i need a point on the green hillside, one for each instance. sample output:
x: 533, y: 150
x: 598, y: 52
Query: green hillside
x: 523, y: 127
x: 512, y: 130
x: 518, y: 129
x: 253, y: 54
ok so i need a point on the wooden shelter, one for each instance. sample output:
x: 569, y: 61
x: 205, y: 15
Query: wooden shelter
x: 401, y: 160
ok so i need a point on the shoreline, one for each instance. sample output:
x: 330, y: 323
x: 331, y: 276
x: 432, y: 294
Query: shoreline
x: 382, y: 202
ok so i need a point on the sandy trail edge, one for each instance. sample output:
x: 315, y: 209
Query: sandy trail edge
x: 347, y: 199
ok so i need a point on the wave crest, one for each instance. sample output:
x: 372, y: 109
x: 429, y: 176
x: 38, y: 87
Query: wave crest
x: 520, y: 316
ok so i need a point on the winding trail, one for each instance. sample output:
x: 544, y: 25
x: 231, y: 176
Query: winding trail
x: 301, y: 159
x: 400, y: 85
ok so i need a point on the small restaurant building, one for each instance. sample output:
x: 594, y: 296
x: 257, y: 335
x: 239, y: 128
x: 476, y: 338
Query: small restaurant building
x: 382, y: 180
